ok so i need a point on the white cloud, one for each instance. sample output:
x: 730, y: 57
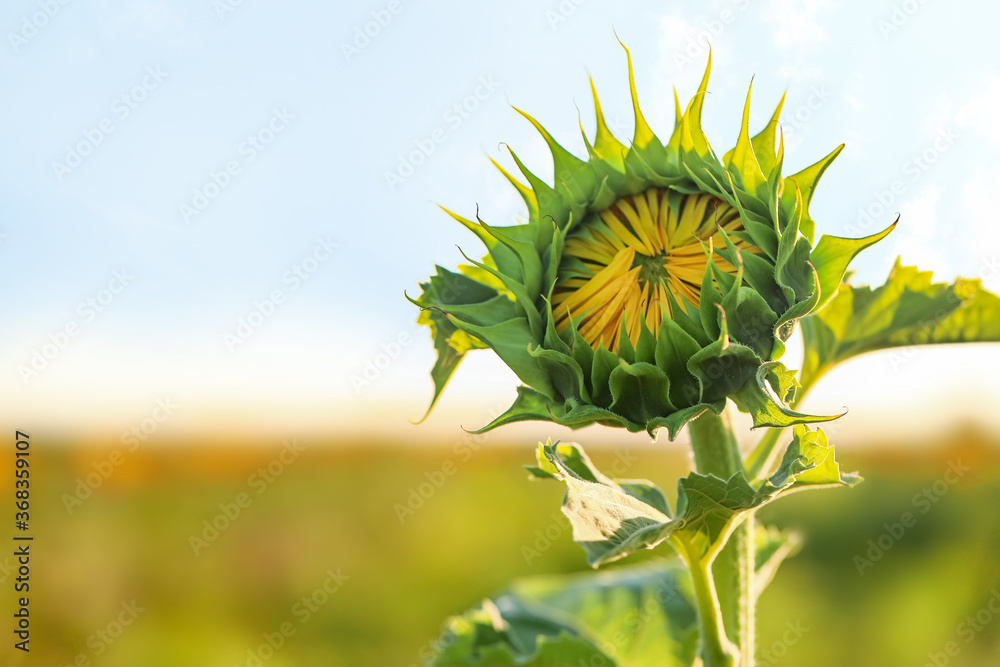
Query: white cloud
x: 798, y: 21
x: 982, y: 111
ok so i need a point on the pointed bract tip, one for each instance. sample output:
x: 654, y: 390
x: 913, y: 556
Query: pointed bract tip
x: 597, y: 102
x: 708, y: 69
x: 615, y: 32
x: 781, y: 104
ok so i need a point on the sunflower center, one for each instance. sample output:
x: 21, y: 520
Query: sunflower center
x: 637, y: 261
x: 651, y: 269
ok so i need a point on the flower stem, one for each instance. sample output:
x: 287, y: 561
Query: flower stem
x: 716, y: 649
x: 734, y: 575
x: 732, y: 600
x: 716, y: 451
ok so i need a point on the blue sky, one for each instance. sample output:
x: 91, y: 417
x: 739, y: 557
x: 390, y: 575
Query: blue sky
x: 245, y: 158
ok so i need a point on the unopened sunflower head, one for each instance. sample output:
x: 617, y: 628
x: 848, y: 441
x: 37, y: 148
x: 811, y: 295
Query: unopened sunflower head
x: 650, y: 283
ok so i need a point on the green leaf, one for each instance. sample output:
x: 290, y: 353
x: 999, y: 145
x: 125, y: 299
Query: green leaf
x: 604, y: 363
x: 741, y: 160
x: 547, y: 199
x: 512, y: 340
x: 449, y: 356
x: 575, y: 459
x: 447, y: 289
x: 805, y: 182
x: 640, y: 391
x: 563, y: 371
x: 483, y: 637
x: 630, y: 617
x: 808, y: 461
x: 764, y: 141
x: 676, y: 421
x: 608, y: 522
x: 908, y: 309
x: 522, y: 300
x: 571, y: 173
x: 723, y: 368
x: 759, y: 273
x: 611, y: 521
x: 529, y: 405
x: 833, y: 254
x: 674, y: 347
x: 647, y: 492
x: 577, y: 415
x: 606, y: 145
x: 751, y: 321
x: 766, y: 398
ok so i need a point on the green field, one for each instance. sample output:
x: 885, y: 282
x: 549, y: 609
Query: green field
x: 332, y: 516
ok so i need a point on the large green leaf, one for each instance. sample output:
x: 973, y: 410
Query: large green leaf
x: 909, y: 309
x: 636, y: 616
x: 611, y: 519
x: 629, y: 617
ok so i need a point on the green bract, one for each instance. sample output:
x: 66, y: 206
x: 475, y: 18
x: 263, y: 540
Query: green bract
x: 650, y: 283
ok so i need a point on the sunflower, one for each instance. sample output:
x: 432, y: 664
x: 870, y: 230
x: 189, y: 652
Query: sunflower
x: 621, y: 266
x: 650, y: 282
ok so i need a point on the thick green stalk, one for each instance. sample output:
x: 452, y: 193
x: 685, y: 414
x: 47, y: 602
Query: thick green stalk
x: 717, y: 452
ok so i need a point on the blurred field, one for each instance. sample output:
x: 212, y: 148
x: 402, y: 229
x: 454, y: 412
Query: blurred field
x: 332, y: 510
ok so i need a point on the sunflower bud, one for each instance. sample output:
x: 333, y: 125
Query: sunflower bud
x: 650, y: 283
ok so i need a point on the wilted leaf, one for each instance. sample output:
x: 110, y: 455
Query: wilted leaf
x: 610, y: 520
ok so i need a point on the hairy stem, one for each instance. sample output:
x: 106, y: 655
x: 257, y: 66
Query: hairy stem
x: 716, y: 648
x: 734, y: 576
x: 732, y: 599
x: 716, y: 451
